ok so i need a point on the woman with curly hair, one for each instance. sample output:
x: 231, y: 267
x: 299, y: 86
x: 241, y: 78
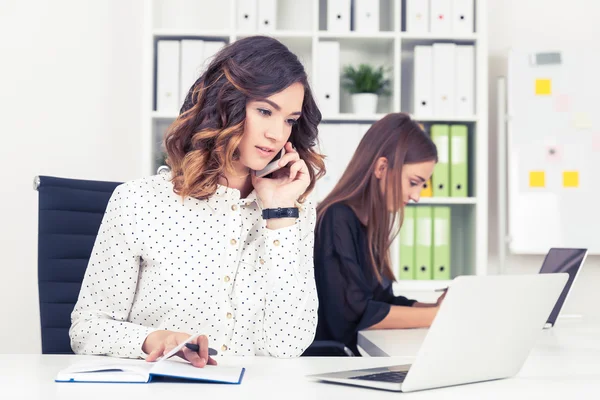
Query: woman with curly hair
x: 211, y: 248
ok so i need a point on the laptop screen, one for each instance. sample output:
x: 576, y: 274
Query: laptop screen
x: 563, y: 260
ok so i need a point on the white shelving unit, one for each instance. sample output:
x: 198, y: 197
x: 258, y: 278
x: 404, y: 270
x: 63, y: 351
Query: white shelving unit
x: 301, y: 25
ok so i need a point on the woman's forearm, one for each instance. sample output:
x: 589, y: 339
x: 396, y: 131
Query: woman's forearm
x: 401, y: 317
x: 424, y: 305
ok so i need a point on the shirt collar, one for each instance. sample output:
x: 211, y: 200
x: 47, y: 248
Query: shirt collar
x: 226, y: 195
x: 229, y: 195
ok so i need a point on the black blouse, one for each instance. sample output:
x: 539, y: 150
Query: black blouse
x: 350, y: 296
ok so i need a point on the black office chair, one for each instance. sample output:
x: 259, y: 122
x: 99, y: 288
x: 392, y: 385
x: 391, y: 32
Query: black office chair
x: 70, y: 213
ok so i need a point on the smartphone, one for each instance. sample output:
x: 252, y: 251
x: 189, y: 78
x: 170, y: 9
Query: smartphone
x: 272, y: 166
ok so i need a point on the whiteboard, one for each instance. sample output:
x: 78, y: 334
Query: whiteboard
x: 553, y: 150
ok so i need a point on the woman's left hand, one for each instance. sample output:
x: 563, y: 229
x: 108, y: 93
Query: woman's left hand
x: 287, y: 183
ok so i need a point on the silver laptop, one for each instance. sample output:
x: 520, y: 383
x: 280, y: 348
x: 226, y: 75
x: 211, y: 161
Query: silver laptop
x: 563, y: 260
x: 484, y: 330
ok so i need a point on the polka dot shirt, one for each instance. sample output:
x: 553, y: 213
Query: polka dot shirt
x: 196, y: 266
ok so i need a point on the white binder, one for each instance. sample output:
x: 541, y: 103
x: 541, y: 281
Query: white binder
x: 443, y: 79
x: 192, y: 60
x: 417, y: 16
x: 246, y: 15
x: 465, y: 80
x: 267, y: 15
x: 337, y: 142
x: 328, y: 78
x: 366, y: 15
x: 423, y: 95
x: 440, y: 17
x: 338, y: 15
x: 167, y: 76
x: 462, y: 17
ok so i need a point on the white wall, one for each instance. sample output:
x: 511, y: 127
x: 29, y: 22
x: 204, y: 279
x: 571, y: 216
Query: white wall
x: 545, y: 24
x: 70, y: 106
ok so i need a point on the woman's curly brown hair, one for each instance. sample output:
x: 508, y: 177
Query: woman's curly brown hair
x: 202, y: 142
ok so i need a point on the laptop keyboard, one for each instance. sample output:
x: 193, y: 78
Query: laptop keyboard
x: 392, y: 377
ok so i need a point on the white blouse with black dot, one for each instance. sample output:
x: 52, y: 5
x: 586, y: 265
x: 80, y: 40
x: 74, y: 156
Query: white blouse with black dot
x: 196, y: 266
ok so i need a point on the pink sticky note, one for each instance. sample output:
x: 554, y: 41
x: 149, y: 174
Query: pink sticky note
x: 553, y: 153
x: 596, y: 142
x: 562, y: 103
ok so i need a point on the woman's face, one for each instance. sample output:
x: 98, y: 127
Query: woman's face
x: 268, y: 126
x: 414, y: 176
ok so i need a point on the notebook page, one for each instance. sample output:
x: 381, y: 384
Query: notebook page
x: 107, y: 369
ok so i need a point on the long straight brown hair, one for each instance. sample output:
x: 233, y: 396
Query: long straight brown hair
x: 401, y: 141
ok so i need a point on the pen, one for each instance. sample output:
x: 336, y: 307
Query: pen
x: 195, y: 347
x: 441, y: 290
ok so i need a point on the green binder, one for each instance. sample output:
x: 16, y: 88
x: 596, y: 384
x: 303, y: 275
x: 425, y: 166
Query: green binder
x: 441, y: 243
x: 423, y: 239
x: 459, y: 162
x: 440, y: 134
x: 407, y: 245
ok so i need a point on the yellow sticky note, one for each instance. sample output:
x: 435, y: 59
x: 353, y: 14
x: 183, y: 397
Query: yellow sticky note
x: 537, y: 179
x: 543, y: 87
x: 571, y: 179
x: 427, y: 189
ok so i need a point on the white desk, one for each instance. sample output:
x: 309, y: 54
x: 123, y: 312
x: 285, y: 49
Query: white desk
x: 564, y: 365
x: 32, y: 377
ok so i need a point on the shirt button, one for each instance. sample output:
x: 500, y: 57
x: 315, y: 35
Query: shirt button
x: 224, y: 348
x: 227, y: 278
x: 229, y: 315
x: 234, y: 207
x: 233, y: 241
x: 276, y: 243
x: 262, y: 262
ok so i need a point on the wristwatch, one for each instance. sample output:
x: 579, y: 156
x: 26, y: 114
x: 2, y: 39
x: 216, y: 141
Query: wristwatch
x: 269, y: 213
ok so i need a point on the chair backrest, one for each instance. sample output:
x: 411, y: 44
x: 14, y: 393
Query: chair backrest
x: 70, y: 213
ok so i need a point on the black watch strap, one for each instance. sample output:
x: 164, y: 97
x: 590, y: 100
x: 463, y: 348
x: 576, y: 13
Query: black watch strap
x: 269, y: 213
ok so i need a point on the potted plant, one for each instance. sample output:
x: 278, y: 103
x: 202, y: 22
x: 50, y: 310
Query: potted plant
x: 365, y: 84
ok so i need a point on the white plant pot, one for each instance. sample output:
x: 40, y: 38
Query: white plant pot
x: 364, y: 103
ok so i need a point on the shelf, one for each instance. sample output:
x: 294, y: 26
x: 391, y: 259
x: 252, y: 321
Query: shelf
x: 356, y: 35
x: 176, y: 33
x: 277, y: 34
x: 159, y: 115
x: 419, y: 286
x: 445, y: 200
x: 363, y: 43
x: 431, y: 37
x: 352, y: 118
x: 459, y: 118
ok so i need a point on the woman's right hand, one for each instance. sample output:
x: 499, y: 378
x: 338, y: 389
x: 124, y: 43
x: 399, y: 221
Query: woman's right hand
x: 159, y: 343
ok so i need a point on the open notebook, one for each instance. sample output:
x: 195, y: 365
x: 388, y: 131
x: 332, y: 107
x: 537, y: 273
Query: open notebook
x: 108, y: 369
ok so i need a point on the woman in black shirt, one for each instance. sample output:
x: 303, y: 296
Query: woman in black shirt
x: 356, y: 224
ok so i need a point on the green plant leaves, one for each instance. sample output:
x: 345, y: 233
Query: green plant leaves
x: 365, y: 79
